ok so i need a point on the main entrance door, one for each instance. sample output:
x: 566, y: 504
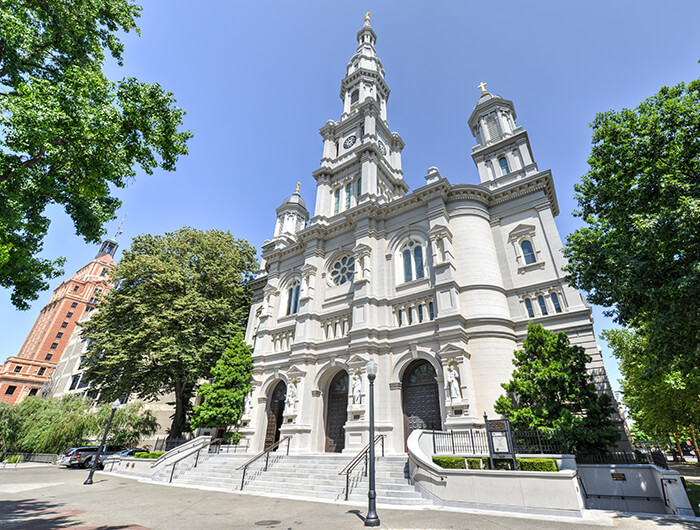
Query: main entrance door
x: 337, y: 413
x: 274, y: 414
x: 421, y: 401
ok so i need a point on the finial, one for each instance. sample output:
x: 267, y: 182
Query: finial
x: 367, y: 17
x: 297, y: 190
x: 482, y: 86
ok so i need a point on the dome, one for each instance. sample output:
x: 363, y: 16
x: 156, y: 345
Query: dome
x: 295, y: 198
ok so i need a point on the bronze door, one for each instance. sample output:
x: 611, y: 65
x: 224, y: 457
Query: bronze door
x: 275, y: 414
x: 337, y: 413
x: 421, y: 400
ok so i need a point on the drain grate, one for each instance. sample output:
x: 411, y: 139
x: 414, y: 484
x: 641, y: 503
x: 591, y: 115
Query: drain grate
x: 267, y: 522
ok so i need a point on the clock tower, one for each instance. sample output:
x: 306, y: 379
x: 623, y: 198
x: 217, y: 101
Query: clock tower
x: 361, y: 156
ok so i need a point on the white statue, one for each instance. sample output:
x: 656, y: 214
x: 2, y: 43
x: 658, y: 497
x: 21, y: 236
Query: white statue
x: 247, y: 403
x: 292, y: 395
x: 453, y: 382
x: 356, y: 389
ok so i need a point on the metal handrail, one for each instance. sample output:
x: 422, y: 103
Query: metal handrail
x: 362, y: 455
x: 266, y: 453
x: 177, y: 450
x: 210, y: 442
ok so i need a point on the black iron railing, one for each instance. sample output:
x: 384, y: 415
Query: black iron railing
x: 362, y: 456
x: 538, y: 441
x: 471, y: 441
x: 266, y: 454
x: 639, y: 456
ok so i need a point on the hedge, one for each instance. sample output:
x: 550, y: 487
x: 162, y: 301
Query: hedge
x: 154, y: 454
x: 450, y: 462
x: 13, y: 459
x: 524, y: 464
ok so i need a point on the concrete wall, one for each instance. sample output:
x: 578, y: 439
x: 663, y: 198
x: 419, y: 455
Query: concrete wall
x: 634, y: 488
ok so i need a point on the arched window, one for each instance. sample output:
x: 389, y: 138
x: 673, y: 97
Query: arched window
x: 354, y: 96
x: 504, y: 165
x: 528, y: 306
x: 348, y: 195
x: 555, y: 302
x: 293, y: 297
x: 412, y: 255
x: 343, y: 270
x: 543, y: 305
x: 336, y: 204
x: 358, y: 186
x: 528, y: 251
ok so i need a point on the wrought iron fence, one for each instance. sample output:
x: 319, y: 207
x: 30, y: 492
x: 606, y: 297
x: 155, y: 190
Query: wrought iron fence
x: 464, y: 442
x: 166, y: 444
x: 639, y: 456
x: 538, y: 441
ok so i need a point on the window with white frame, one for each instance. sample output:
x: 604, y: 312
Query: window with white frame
x: 348, y: 195
x: 503, y: 162
x: 293, y: 297
x: 555, y: 301
x: 336, y: 202
x: 543, y: 305
x: 529, y: 308
x: 411, y: 253
x: 528, y: 251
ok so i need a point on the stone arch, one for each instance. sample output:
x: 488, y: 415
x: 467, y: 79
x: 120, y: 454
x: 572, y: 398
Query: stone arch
x: 421, y: 396
x: 403, y: 362
x: 327, y: 372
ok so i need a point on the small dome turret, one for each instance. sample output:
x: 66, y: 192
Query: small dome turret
x: 292, y: 215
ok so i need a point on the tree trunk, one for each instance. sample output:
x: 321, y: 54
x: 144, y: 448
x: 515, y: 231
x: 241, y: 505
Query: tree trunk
x: 695, y: 445
x: 678, y: 445
x: 671, y: 448
x: 183, y: 394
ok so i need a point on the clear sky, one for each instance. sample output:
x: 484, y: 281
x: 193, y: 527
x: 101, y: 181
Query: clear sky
x: 258, y: 79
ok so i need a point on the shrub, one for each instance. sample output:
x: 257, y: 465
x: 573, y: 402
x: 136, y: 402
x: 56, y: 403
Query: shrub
x: 155, y: 454
x: 450, y: 462
x: 537, y: 464
x: 141, y: 454
x: 13, y: 459
x: 474, y: 463
x: 232, y: 438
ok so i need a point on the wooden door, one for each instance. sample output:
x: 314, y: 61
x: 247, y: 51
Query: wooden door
x: 337, y: 413
x: 275, y: 413
x: 421, y: 400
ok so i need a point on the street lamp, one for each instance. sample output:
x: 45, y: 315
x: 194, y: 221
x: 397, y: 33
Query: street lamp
x: 115, y: 406
x: 371, y: 519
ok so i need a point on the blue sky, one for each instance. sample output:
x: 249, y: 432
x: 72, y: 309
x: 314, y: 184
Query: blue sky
x: 258, y: 79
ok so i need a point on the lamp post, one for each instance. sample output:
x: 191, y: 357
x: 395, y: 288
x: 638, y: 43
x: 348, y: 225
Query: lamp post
x: 371, y: 519
x: 115, y: 406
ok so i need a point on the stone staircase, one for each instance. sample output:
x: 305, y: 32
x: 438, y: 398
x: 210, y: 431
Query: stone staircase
x: 307, y: 476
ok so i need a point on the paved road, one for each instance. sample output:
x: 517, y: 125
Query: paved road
x: 43, y: 497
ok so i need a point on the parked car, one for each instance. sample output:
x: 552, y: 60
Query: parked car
x: 113, y: 450
x: 78, y: 456
x: 132, y: 452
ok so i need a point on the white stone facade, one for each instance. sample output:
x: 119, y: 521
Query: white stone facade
x: 448, y: 275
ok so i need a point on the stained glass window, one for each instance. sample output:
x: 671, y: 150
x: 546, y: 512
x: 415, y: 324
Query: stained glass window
x: 343, y: 270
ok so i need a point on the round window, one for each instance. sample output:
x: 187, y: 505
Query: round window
x: 342, y: 270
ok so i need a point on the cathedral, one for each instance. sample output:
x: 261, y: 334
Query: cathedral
x: 437, y: 285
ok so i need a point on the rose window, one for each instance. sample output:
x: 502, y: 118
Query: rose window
x: 342, y: 270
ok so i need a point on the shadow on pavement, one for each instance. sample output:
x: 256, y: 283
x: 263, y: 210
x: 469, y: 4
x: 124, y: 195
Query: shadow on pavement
x: 43, y: 515
x: 658, y: 521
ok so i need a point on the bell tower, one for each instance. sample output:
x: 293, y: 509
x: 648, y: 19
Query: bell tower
x: 503, y: 153
x: 361, y: 157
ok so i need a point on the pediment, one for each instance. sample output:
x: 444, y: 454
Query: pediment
x: 357, y: 361
x: 520, y: 231
x: 452, y: 351
x: 295, y: 371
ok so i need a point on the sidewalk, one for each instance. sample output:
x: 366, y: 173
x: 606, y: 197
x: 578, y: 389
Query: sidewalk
x: 45, y: 497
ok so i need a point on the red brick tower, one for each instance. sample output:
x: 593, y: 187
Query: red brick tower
x: 24, y: 374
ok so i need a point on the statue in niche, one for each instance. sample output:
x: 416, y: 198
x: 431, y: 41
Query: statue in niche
x: 247, y: 403
x: 453, y: 383
x: 292, y: 395
x: 356, y: 389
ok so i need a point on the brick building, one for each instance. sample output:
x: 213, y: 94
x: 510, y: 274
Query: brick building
x: 26, y: 373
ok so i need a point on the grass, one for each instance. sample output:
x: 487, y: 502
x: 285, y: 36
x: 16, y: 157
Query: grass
x: 693, y: 491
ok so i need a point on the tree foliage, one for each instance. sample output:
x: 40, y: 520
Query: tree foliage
x: 224, y: 398
x: 52, y: 425
x: 640, y: 253
x: 552, y: 388
x: 68, y: 135
x: 662, y: 397
x: 181, y: 298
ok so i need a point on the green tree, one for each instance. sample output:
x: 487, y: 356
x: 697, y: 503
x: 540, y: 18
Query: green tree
x: 68, y: 135
x: 52, y: 425
x: 181, y: 299
x: 552, y: 388
x: 662, y: 396
x: 640, y: 253
x: 224, y: 398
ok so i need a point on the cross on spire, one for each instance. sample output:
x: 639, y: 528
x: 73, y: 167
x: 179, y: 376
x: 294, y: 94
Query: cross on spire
x: 482, y: 86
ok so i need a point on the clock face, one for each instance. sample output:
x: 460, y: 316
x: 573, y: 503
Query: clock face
x: 349, y: 141
x: 382, y: 148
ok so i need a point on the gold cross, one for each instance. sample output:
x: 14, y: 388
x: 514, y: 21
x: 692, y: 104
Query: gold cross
x: 297, y: 190
x: 367, y: 16
x: 482, y: 86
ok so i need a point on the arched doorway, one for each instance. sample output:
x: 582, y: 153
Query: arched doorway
x: 275, y: 414
x: 421, y: 400
x: 337, y: 413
